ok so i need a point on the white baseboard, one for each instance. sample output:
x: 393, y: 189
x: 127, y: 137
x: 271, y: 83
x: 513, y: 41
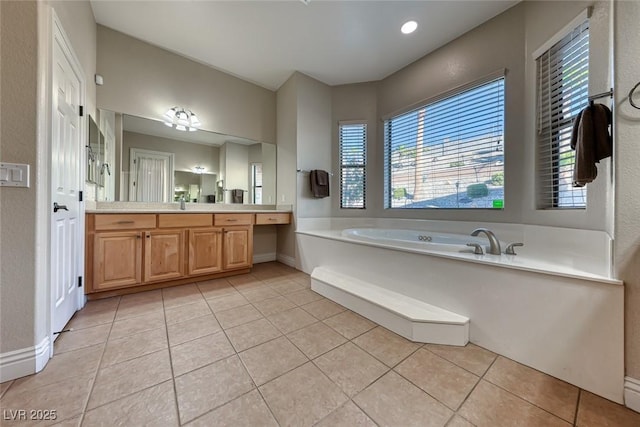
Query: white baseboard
x: 23, y: 362
x: 632, y: 393
x: 286, y: 259
x: 258, y: 258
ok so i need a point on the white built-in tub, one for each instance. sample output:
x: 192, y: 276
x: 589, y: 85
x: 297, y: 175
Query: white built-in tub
x: 554, y: 306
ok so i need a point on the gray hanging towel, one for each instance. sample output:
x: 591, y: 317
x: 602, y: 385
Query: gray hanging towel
x: 237, y: 196
x: 591, y: 139
x: 319, y: 183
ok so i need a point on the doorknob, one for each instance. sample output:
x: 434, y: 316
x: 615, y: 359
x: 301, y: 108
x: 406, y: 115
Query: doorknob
x: 57, y: 207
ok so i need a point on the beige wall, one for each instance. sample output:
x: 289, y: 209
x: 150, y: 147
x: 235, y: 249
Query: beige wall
x: 187, y: 155
x: 492, y: 46
x: 542, y: 21
x: 286, y: 188
x: 357, y: 102
x: 143, y: 80
x: 313, y: 150
x: 24, y: 303
x: 18, y: 144
x: 627, y: 173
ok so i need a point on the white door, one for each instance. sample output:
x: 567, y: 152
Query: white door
x: 151, y: 176
x: 66, y: 149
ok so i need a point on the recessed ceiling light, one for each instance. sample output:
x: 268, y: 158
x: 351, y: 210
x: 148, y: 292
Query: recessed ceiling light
x: 409, y: 27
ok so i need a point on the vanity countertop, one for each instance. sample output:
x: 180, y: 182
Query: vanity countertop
x: 140, y: 207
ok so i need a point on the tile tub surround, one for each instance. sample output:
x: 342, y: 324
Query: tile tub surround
x: 184, y: 366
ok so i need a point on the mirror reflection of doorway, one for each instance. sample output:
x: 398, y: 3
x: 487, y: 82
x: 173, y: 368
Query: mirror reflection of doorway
x: 256, y: 183
x: 151, y: 178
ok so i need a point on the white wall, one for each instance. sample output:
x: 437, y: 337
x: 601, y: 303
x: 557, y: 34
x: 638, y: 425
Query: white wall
x: 627, y: 174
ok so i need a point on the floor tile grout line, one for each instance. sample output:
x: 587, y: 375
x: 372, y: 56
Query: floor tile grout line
x: 524, y: 399
x: 425, y: 346
x: 173, y: 377
x: 498, y: 356
x: 575, y: 415
x: 362, y: 409
x: 473, y: 388
x: 97, y: 372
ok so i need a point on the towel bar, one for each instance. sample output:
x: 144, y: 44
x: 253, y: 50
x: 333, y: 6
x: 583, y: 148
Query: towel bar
x: 308, y: 171
x: 633, y: 104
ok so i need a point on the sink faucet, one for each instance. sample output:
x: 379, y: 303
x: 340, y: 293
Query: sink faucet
x: 494, y: 243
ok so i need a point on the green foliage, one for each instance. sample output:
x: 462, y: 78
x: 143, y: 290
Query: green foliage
x: 399, y: 193
x: 475, y: 191
x: 456, y: 164
x: 566, y: 158
x: 497, y: 178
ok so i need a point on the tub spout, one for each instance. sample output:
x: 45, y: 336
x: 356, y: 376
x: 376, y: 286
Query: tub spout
x: 494, y: 243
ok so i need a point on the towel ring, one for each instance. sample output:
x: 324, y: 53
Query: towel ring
x: 633, y: 104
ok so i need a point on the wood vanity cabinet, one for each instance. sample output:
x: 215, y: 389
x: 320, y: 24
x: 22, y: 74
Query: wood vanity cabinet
x: 117, y: 260
x: 155, y: 250
x: 164, y: 255
x: 238, y: 250
x: 205, y: 251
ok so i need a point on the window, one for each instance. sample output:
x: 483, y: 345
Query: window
x: 448, y: 153
x: 562, y: 92
x: 256, y: 183
x: 353, y: 160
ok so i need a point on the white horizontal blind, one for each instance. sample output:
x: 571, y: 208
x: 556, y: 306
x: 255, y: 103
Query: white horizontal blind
x: 353, y: 159
x: 563, y: 84
x: 449, y: 153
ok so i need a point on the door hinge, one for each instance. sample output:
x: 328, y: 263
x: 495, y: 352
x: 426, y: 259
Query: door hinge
x: 81, y: 111
x: 79, y: 196
x: 79, y: 281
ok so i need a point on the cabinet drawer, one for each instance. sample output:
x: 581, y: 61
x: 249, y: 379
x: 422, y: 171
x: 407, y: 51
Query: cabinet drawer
x: 124, y: 221
x: 185, y: 220
x: 273, y: 218
x: 232, y: 219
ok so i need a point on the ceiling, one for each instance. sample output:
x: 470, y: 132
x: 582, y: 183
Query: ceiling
x: 264, y: 42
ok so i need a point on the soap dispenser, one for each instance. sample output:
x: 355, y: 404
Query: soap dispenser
x: 182, y: 203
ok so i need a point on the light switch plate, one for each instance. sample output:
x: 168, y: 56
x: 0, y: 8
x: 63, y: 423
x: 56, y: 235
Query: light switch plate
x: 14, y: 175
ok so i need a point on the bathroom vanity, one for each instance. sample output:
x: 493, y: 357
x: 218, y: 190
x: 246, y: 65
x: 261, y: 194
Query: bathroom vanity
x: 131, y: 252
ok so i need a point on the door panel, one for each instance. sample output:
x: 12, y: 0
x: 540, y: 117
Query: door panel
x: 66, y: 146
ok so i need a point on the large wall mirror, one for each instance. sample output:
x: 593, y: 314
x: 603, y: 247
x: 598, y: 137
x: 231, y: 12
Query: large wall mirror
x: 157, y: 163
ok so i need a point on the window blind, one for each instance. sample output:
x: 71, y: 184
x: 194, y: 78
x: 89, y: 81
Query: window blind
x: 562, y: 92
x: 353, y: 159
x: 449, y: 153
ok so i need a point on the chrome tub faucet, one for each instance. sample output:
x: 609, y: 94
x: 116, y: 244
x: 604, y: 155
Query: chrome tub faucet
x: 494, y: 243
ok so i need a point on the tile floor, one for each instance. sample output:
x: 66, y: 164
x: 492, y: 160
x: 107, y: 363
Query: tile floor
x: 262, y: 349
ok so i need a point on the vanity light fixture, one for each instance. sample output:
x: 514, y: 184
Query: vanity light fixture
x: 409, y: 27
x: 181, y: 119
x: 198, y: 170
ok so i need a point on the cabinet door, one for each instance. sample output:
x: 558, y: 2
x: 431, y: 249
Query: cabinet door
x: 238, y: 248
x: 164, y: 255
x: 205, y: 251
x: 117, y: 260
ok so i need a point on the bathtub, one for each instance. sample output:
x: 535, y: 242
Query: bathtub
x: 418, y: 239
x: 553, y: 307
